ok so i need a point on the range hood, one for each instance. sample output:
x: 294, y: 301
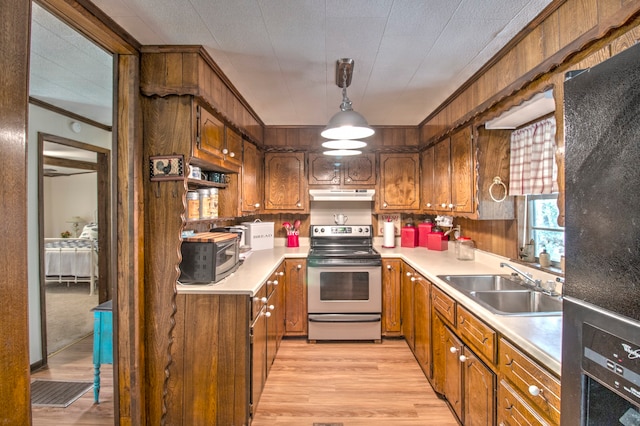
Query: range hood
x: 342, y: 194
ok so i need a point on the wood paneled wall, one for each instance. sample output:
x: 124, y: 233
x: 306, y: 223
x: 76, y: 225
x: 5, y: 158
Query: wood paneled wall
x: 307, y: 138
x: 189, y: 70
x: 547, y: 44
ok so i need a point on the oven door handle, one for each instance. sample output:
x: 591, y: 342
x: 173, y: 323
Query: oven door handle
x: 344, y: 318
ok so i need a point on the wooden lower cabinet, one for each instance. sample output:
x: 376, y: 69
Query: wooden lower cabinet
x: 514, y: 411
x: 211, y: 370
x: 534, y: 391
x: 406, y: 290
x: 422, y: 322
x: 295, y: 297
x: 224, y: 345
x: 391, y: 297
x: 259, y: 348
x: 465, y: 381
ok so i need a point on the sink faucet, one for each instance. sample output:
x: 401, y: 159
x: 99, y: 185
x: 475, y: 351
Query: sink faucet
x: 537, y: 284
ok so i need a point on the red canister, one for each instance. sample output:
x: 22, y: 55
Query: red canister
x: 437, y: 241
x: 424, y: 229
x: 408, y: 236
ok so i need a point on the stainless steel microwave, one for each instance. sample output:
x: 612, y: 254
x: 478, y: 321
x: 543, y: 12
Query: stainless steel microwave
x: 209, y: 257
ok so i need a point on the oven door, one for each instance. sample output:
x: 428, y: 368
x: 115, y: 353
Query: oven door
x: 344, y: 289
x: 227, y: 255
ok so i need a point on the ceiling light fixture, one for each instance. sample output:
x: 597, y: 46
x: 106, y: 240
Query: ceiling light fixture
x: 346, y: 123
x: 344, y: 144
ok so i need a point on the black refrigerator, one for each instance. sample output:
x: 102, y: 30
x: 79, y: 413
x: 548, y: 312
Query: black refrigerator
x: 601, y: 320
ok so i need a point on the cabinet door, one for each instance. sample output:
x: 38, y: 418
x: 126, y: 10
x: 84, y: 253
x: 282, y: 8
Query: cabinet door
x: 407, y: 305
x: 324, y: 170
x: 391, y: 303
x: 422, y: 322
x: 258, y: 357
x: 232, y: 147
x: 359, y: 170
x: 462, y: 171
x: 251, y: 178
x: 296, y: 297
x: 479, y: 391
x: 285, y: 182
x: 427, y: 193
x: 399, y: 182
x: 211, y: 133
x: 438, y: 341
x: 442, y: 175
x: 514, y: 411
x: 453, y: 372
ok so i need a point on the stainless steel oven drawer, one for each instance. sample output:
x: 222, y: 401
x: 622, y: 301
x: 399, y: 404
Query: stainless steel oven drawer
x: 344, y: 326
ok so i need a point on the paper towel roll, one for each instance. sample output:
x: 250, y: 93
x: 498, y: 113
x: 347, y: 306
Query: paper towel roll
x: 388, y: 235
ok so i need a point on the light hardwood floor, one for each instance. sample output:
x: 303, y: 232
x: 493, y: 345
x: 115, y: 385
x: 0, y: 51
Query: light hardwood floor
x: 355, y: 384
x: 76, y: 363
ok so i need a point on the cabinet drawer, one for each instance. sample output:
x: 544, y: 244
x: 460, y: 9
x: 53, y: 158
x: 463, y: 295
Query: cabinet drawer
x: 525, y: 374
x: 258, y: 302
x: 477, y: 334
x: 513, y: 410
x: 444, y: 304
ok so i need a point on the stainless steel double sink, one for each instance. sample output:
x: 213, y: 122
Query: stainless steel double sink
x: 505, y: 295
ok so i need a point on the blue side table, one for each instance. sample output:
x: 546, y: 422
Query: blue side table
x: 102, y: 342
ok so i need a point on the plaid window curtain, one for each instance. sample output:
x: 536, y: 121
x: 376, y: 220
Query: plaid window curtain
x: 533, y: 168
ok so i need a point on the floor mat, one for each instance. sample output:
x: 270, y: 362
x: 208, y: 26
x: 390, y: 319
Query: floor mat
x: 51, y: 393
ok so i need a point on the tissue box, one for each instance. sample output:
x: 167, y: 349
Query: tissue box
x: 437, y: 241
x: 259, y: 235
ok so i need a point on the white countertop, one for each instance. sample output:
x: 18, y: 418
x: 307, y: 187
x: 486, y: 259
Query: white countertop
x: 540, y: 336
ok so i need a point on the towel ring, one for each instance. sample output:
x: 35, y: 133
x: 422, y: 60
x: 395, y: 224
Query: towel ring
x: 498, y: 181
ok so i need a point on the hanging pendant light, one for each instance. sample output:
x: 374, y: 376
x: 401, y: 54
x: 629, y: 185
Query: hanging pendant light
x: 346, y: 123
x: 344, y: 144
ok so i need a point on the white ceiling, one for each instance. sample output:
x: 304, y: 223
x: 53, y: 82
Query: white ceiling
x: 410, y: 55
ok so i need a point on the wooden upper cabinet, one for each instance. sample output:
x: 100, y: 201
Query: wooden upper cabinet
x: 462, y: 172
x: 427, y: 188
x: 232, y: 149
x: 252, y: 178
x: 216, y: 143
x: 286, y: 182
x: 448, y: 175
x: 442, y: 175
x: 344, y: 172
x: 399, y: 182
x: 211, y: 133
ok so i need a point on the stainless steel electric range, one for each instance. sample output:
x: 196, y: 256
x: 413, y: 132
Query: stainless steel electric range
x: 344, y: 279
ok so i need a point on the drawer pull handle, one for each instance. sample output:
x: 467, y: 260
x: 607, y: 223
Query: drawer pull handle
x: 299, y: 266
x: 453, y: 349
x: 462, y: 358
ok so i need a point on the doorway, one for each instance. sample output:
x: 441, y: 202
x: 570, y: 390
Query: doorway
x: 73, y: 196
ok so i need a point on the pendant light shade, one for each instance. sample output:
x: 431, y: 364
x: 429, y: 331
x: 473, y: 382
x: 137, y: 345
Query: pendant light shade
x: 346, y: 123
x: 342, y: 152
x: 344, y: 144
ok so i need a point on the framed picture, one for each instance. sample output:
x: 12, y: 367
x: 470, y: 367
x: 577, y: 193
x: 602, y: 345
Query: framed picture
x: 166, y: 167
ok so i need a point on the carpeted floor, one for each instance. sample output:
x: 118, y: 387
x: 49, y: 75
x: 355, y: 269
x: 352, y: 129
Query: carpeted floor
x: 69, y: 316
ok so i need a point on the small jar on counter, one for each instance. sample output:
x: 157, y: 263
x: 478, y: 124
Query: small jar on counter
x: 465, y: 248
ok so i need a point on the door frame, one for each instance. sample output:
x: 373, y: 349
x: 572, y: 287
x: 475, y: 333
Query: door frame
x: 102, y: 167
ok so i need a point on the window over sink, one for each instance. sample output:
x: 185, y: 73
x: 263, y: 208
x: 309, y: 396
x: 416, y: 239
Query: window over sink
x: 542, y: 225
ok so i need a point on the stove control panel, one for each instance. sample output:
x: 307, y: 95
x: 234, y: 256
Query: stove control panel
x: 341, y: 230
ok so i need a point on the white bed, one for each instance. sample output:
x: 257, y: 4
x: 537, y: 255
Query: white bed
x: 71, y: 260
